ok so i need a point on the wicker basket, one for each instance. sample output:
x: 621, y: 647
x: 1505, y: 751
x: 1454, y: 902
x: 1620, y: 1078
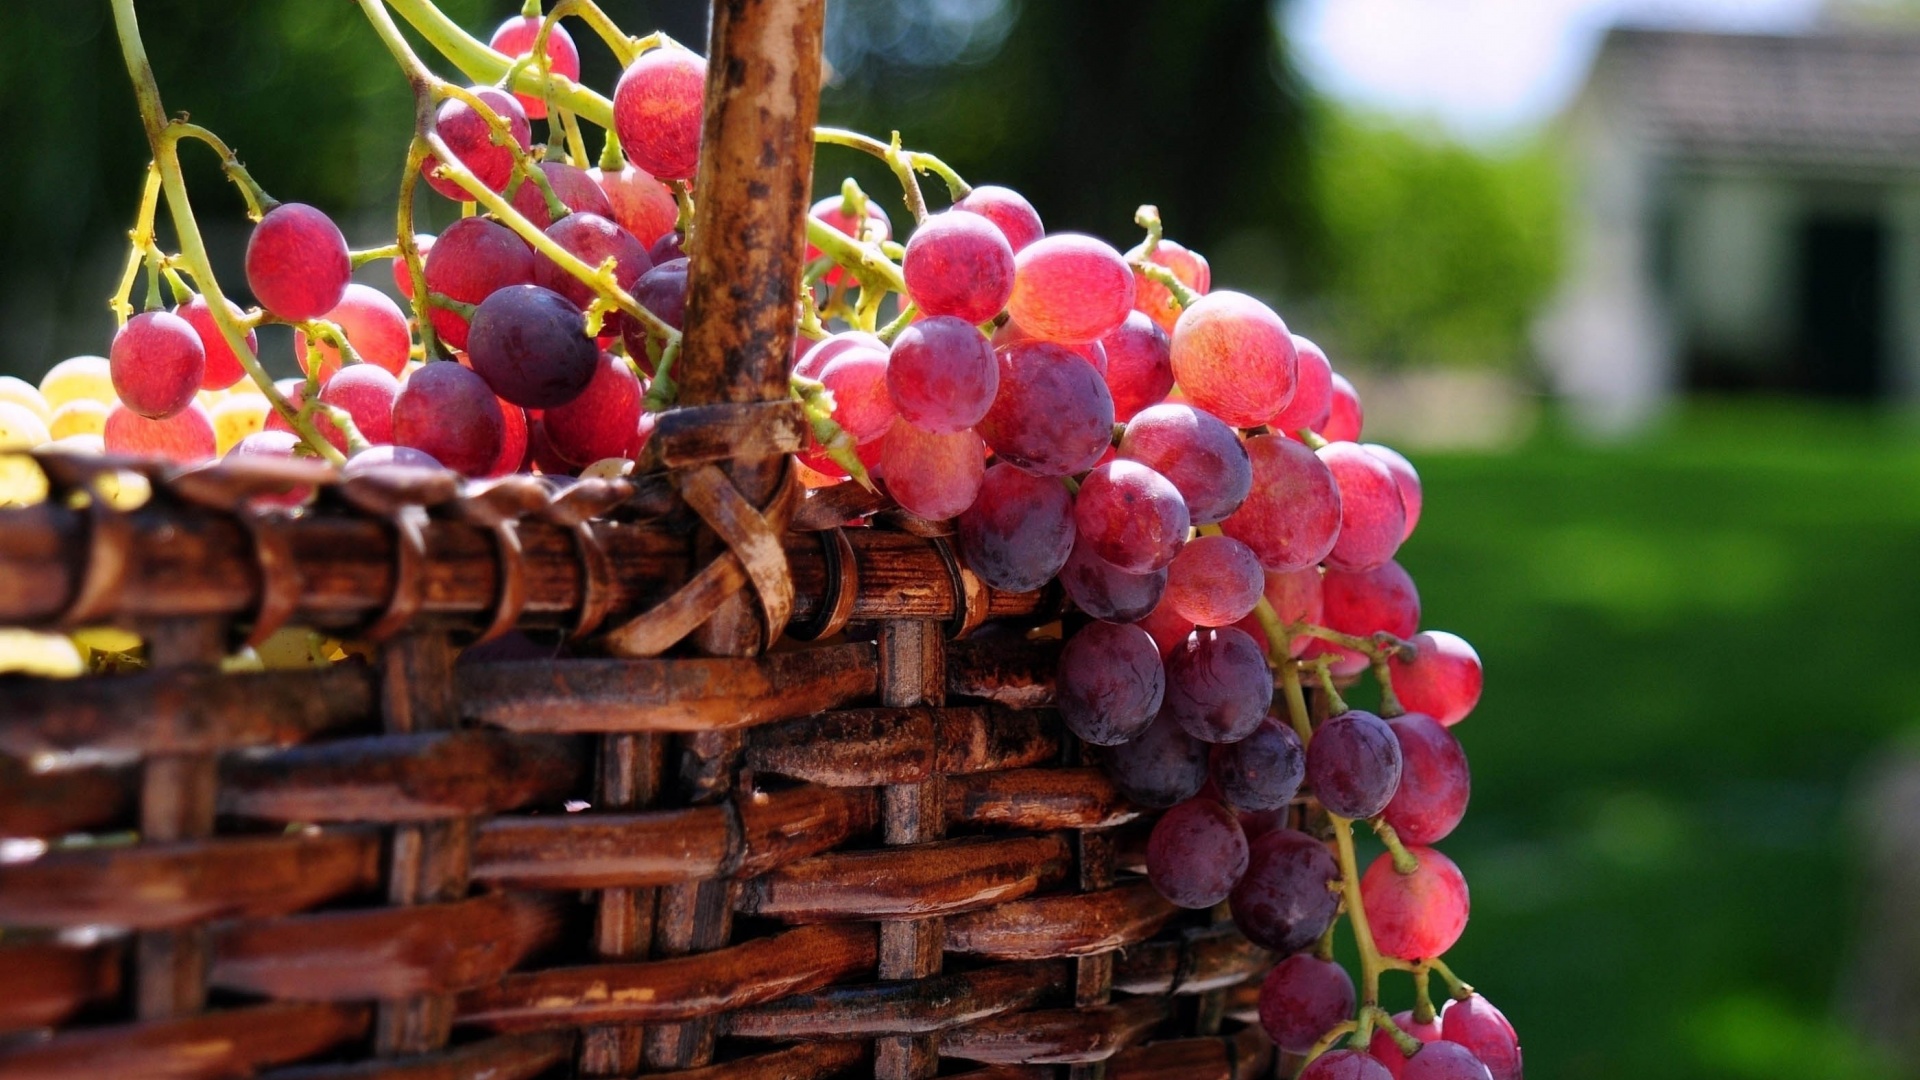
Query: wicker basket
x: 672, y: 850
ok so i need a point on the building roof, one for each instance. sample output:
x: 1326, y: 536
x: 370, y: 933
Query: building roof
x: 1823, y: 99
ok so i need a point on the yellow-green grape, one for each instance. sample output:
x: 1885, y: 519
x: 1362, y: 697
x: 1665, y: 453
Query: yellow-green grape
x: 611, y: 468
x: 20, y: 428
x: 290, y: 647
x: 78, y: 377
x: 107, y: 639
x: 244, y: 660
x: 81, y: 416
x: 209, y: 398
x: 21, y: 481
x: 123, y: 490
x: 236, y: 417
x: 28, y: 653
x: 22, y: 392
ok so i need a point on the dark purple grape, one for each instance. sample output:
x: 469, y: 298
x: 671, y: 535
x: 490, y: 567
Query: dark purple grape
x: 1202, y: 456
x: 1443, y: 1060
x: 1162, y: 766
x: 1218, y: 685
x: 1196, y: 854
x: 1110, y: 682
x: 1051, y: 414
x: 1475, y: 1024
x: 1105, y: 591
x: 1262, y: 771
x: 1353, y: 764
x: 1434, y: 781
x: 531, y: 346
x: 1302, y: 998
x: 1286, y: 899
x: 663, y: 291
x: 1019, y: 530
x: 1345, y: 1065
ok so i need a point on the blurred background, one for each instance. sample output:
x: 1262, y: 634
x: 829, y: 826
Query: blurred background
x: 1636, y: 284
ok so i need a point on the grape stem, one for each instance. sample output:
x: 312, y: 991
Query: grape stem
x: 1327, y: 1041
x: 904, y: 163
x: 410, y: 247
x: 1152, y: 271
x: 1370, y: 960
x: 1389, y: 701
x: 1148, y: 218
x: 900, y: 322
x: 1460, y: 990
x: 1404, y: 861
x: 1422, y: 997
x: 1407, y: 1043
x: 140, y: 238
x: 816, y: 401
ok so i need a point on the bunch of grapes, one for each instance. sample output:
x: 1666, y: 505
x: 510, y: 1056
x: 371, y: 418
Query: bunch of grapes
x: 1188, y: 468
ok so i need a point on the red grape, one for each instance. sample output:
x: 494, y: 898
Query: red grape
x: 1344, y: 415
x: 1161, y: 766
x: 1218, y: 685
x: 1372, y: 518
x: 1303, y: 998
x: 1474, y: 1023
x: 1285, y: 900
x: 1442, y: 680
x: 1131, y: 516
x: 1353, y: 764
x: 1009, y: 211
x: 663, y: 291
x: 1291, y: 519
x: 1364, y: 603
x: 1105, y: 591
x: 593, y: 239
x: 1444, y: 1060
x: 1417, y: 915
x: 1297, y: 597
x: 1154, y: 299
x: 1051, y: 415
x: 642, y: 205
x: 531, y: 346
x: 1404, y: 478
x: 402, y: 277
x: 367, y: 394
x: 958, y: 264
x: 1202, y: 456
x: 1169, y: 628
x: 513, y: 445
x: 933, y: 475
x: 1070, y: 288
x: 657, y: 111
x: 1345, y: 1065
x: 1234, y: 358
x: 1215, y: 581
x: 375, y: 327
x: 1139, y: 365
x: 223, y: 367
x: 449, y: 412
x: 183, y: 438
x: 297, y: 263
x: 815, y: 359
x: 473, y: 259
x: 1387, y: 1052
x: 1196, y: 854
x: 942, y: 374
x: 516, y: 36
x: 1012, y: 333
x: 599, y: 421
x: 1434, y: 780
x: 1262, y: 771
x: 1019, y: 531
x: 1312, y: 391
x: 156, y: 363
x: 862, y: 405
x: 470, y: 139
x: 576, y: 191
x: 1109, y: 683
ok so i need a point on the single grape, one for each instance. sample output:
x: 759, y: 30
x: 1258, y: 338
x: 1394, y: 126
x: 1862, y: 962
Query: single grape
x: 1196, y: 854
x: 1168, y: 628
x: 1233, y: 357
x: 642, y: 205
x: 82, y: 417
x: 1262, y: 771
x: 1417, y: 915
x: 1161, y: 766
x: 469, y: 137
x: 1442, y: 680
x: 815, y: 358
x: 449, y: 413
x: 836, y: 212
x: 1353, y: 764
x: 388, y: 457
x: 1218, y: 685
x: 933, y: 475
x: 668, y: 247
x: 1474, y: 1023
x: 1312, y: 400
x: 1070, y: 288
x: 1139, y: 365
x: 1215, y: 581
x: 402, y: 276
x: 1434, y: 780
x: 1019, y: 531
x: 593, y: 239
x: 470, y: 261
x: 1345, y: 1065
x: 958, y: 264
x: 1444, y: 1060
x: 1387, y: 1052
x: 1296, y: 597
x: 1303, y: 998
x: 516, y: 37
x: 1110, y: 683
x: 531, y: 346
x: 374, y: 325
x: 222, y: 367
x: 1105, y: 591
x: 1131, y: 516
x: 657, y: 109
x: 663, y: 291
x: 576, y: 191
x: 157, y: 363
x: 76, y: 378
x: 297, y: 263
x: 599, y: 421
x: 183, y: 438
x: 1372, y: 518
x: 1404, y: 478
x: 1363, y: 603
x: 1009, y: 211
x: 1291, y: 519
x: 942, y: 374
x: 1202, y: 456
x: 1344, y: 415
x: 513, y: 444
x: 1286, y: 899
x: 1051, y: 415
x: 367, y: 394
x: 862, y: 404
x: 1154, y: 299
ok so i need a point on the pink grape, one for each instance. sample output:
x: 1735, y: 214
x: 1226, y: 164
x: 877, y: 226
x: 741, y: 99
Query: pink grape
x: 1364, y: 603
x: 1404, y: 478
x: 599, y: 421
x: 1434, y: 780
x: 183, y: 438
x: 1160, y: 767
x: 367, y: 394
x: 1373, y: 520
x: 1297, y: 596
x: 1344, y: 415
x: 576, y: 191
x: 1444, y: 1060
x: 1051, y: 415
x: 470, y: 139
x: 1109, y: 683
x: 657, y: 111
x: 1215, y: 581
x: 223, y: 367
x: 516, y: 37
x: 374, y: 325
x: 1417, y: 915
x: 156, y: 363
x: 470, y: 261
x: 1218, y: 685
x: 1354, y: 764
x: 642, y: 205
x: 1291, y: 519
x: 402, y: 276
x: 1105, y: 591
x: 942, y: 374
x: 1262, y: 771
x: 862, y: 405
x: 513, y: 444
x: 1303, y: 998
x: 816, y: 357
x: 833, y: 210
x: 1070, y: 288
x: 297, y: 263
x: 958, y: 264
x: 1196, y: 853
x: 1154, y: 299
x: 1139, y: 365
x: 934, y: 475
x: 1169, y: 628
x: 1234, y: 358
x: 592, y: 239
x: 449, y: 413
x: 1009, y: 211
x: 295, y: 391
x: 1284, y: 901
x: 1442, y: 680
x: 1474, y: 1023
x: 1019, y: 531
x: 531, y: 346
x: 1345, y: 1065
x: 1131, y: 516
x: 1312, y: 400
x: 1202, y: 456
x: 1387, y: 1052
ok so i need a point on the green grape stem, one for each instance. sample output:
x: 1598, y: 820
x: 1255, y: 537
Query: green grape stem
x: 1153, y: 271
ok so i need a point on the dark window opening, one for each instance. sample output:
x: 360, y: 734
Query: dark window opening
x: 1840, y: 349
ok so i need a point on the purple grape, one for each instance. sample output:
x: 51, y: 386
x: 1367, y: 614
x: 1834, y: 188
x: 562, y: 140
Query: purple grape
x: 1162, y: 766
x: 1051, y: 414
x: 1286, y: 899
x: 1139, y: 365
x: 942, y: 374
x: 1131, y: 516
x: 1443, y: 1060
x: 1218, y: 685
x: 1196, y: 854
x: 1302, y: 998
x: 1110, y: 682
x: 1353, y: 764
x: 1345, y: 1065
x: 1215, y: 581
x: 1262, y: 771
x: 1475, y: 1024
x: 1434, y: 780
x: 1202, y: 456
x: 531, y: 346
x: 592, y: 239
x: 959, y: 264
x: 1105, y: 591
x: 1019, y: 530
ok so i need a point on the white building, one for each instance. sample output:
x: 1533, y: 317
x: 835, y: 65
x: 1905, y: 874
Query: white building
x: 1746, y: 215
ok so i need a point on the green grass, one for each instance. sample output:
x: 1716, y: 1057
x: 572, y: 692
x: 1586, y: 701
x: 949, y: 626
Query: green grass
x: 1694, y: 647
